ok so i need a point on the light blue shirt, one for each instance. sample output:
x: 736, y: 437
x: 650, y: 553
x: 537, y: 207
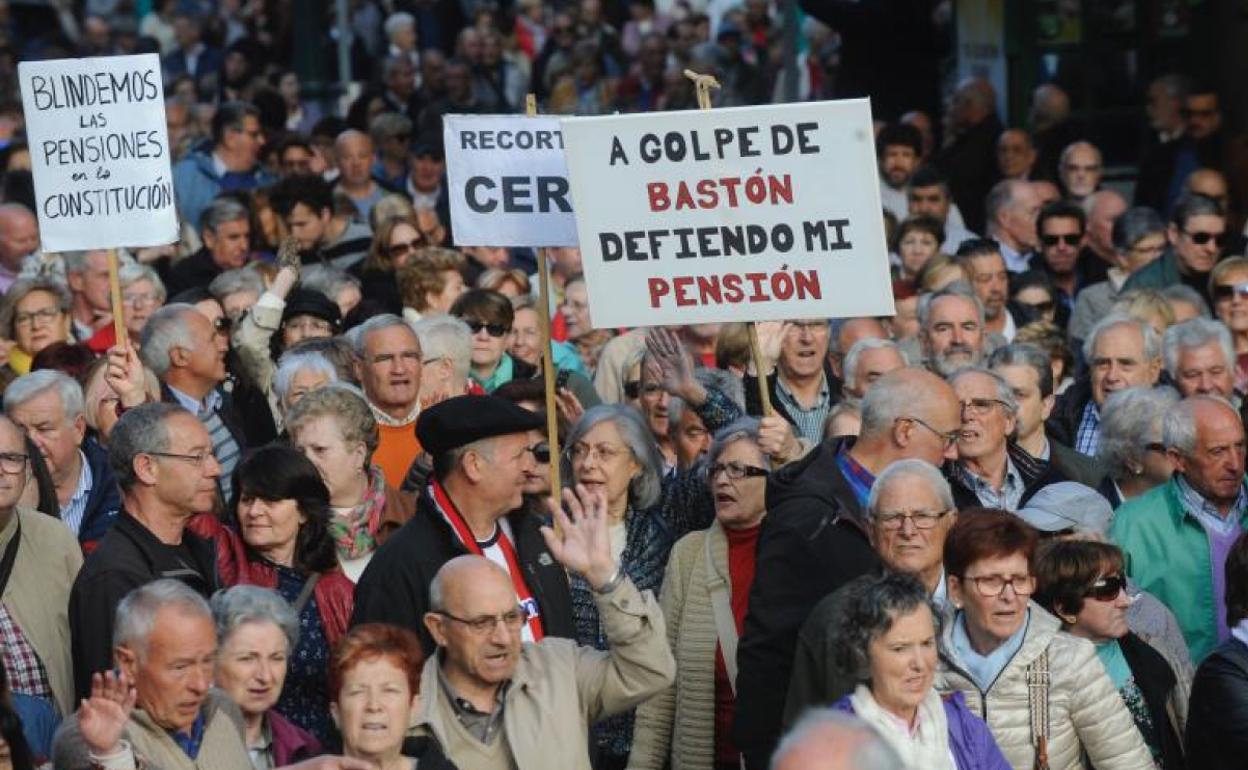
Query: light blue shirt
x: 197, y: 408
x: 73, y: 511
x: 985, y: 669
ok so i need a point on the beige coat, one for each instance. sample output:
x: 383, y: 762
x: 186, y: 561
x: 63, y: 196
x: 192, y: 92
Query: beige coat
x: 678, y: 724
x: 1086, y: 714
x: 560, y: 688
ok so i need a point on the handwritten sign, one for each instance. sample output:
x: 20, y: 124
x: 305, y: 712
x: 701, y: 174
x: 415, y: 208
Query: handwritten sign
x: 508, y: 181
x: 742, y: 214
x: 99, y: 152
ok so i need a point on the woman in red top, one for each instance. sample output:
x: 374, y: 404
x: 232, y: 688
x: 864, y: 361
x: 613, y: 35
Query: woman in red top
x: 704, y: 597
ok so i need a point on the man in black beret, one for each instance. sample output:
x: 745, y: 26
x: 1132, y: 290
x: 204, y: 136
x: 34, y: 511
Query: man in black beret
x: 481, y: 448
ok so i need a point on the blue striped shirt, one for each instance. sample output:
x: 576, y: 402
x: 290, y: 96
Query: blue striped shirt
x: 73, y: 511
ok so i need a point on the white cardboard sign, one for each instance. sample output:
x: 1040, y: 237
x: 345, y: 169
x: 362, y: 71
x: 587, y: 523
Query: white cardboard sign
x: 508, y: 181
x: 99, y: 152
x: 740, y: 214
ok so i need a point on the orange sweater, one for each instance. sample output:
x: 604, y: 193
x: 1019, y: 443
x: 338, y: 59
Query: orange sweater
x: 397, y: 449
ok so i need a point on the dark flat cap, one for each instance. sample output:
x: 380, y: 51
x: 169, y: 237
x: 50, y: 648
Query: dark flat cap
x: 313, y: 303
x: 465, y: 419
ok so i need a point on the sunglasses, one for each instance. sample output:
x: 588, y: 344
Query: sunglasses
x: 1070, y: 239
x: 399, y: 249
x: 1230, y: 290
x: 1107, y: 588
x: 495, y: 330
x: 221, y: 325
x: 1039, y: 307
x: 1200, y: 237
x: 541, y: 452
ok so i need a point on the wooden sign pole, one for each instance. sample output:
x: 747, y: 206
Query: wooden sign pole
x: 114, y: 286
x: 703, y: 84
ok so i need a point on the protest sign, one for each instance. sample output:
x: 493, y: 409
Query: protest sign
x: 740, y: 214
x: 99, y: 152
x: 508, y: 181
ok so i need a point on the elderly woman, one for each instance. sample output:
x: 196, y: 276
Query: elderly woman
x: 1045, y: 694
x: 1228, y: 286
x: 335, y: 429
x: 142, y: 293
x: 300, y: 372
x: 282, y: 541
x: 256, y: 634
x: 374, y: 684
x: 708, y: 576
x: 431, y: 283
x: 1138, y: 237
x: 1130, y: 448
x: 1082, y: 582
x: 34, y: 314
x: 887, y: 644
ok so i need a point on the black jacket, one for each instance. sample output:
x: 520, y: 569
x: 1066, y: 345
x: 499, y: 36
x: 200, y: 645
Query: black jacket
x: 1216, y: 738
x: 1063, y: 423
x: 1034, y: 472
x: 1156, y: 681
x: 813, y: 541
x: 128, y: 557
x: 395, y: 586
x: 193, y: 272
x: 970, y: 165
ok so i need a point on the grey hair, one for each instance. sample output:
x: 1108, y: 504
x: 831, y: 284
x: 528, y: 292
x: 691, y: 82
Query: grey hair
x: 387, y: 124
x: 869, y: 612
x: 740, y: 429
x: 1181, y: 292
x: 221, y: 211
x: 1195, y: 333
x: 1152, y: 341
x: 141, y: 429
x: 133, y: 272
x: 645, y: 489
x: 396, y: 21
x: 242, y: 604
x: 1000, y: 198
x: 955, y: 289
x: 711, y: 379
x: 446, y: 336
x: 1178, y: 427
x: 910, y: 468
x: 28, y: 386
x: 1026, y: 354
x: 375, y: 324
x: 1070, y: 148
x: 328, y: 280
x: 871, y: 752
x: 166, y: 329
x: 1130, y: 421
x: 234, y: 281
x: 1135, y: 224
x: 136, y: 613
x: 848, y: 369
x: 295, y: 361
x: 76, y: 261
x: 1004, y: 392
x: 889, y: 399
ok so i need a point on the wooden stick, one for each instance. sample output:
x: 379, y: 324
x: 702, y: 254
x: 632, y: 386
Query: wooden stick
x: 548, y: 357
x: 114, y: 287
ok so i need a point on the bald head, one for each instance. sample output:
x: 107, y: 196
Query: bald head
x: 1103, y: 208
x: 1209, y: 183
x: 825, y: 739
x: 974, y: 100
x: 19, y: 235
x: 354, y: 152
x: 458, y: 578
x: 908, y: 413
x: 1049, y: 106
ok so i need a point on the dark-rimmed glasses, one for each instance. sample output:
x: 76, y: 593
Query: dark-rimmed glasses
x: 483, y: 624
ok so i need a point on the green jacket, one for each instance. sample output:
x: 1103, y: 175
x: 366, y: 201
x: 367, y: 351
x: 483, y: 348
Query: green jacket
x: 1158, y: 274
x: 1167, y: 555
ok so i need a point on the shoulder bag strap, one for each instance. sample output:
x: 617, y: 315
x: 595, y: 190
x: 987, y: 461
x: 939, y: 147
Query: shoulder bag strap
x: 305, y: 594
x: 10, y: 556
x: 1038, y: 706
x: 725, y: 623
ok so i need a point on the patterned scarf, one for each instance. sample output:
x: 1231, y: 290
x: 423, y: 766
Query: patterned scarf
x: 354, y: 532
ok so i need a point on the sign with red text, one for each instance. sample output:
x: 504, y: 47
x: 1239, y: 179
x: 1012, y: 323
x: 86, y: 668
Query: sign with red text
x: 739, y: 214
x: 99, y: 152
x: 507, y: 181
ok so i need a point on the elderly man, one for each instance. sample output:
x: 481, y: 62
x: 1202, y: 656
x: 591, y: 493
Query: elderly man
x: 446, y: 347
x: 802, y: 383
x: 967, y: 158
x: 830, y: 739
x: 162, y: 457
x: 86, y: 273
x: 1016, y: 154
x: 991, y: 471
x: 868, y: 360
x: 909, y: 513
x: 353, y: 153
x: 225, y: 227
x: 1200, y: 359
x: 48, y: 405
x: 39, y: 562
x: 1011, y: 209
x: 1080, y: 170
x: 467, y: 701
x: 187, y: 354
x: 1103, y: 208
x: 481, y: 451
x: 951, y: 330
x: 1122, y: 352
x: 1176, y: 537
x: 929, y: 194
x: 1196, y: 234
x: 306, y: 204
x: 165, y: 647
x: 985, y: 270
x: 846, y: 332
x: 815, y: 540
x: 19, y: 238
x: 232, y: 163
x: 388, y: 366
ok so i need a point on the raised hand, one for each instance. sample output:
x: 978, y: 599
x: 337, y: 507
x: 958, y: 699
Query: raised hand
x: 125, y: 375
x: 770, y: 339
x: 102, y: 718
x: 569, y: 406
x: 671, y: 367
x: 580, y: 539
x: 777, y: 439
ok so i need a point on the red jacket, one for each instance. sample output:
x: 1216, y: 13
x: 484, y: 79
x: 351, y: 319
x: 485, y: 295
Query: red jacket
x: 334, y: 591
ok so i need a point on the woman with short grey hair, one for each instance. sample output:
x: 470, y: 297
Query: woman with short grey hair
x: 298, y: 373
x: 1131, y: 446
x: 142, y: 293
x: 1139, y: 237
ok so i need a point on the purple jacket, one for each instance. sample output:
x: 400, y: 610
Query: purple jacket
x: 291, y: 743
x: 972, y: 743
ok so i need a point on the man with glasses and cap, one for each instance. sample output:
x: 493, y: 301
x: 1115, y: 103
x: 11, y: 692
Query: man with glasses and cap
x: 482, y: 450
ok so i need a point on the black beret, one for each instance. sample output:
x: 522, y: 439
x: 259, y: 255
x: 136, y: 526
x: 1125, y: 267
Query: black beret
x: 462, y: 420
x: 313, y: 303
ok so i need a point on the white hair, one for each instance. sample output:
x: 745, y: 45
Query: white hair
x: 1152, y: 341
x: 293, y: 362
x: 910, y: 468
x: 446, y: 336
x: 136, y: 614
x: 167, y: 329
x: 28, y: 386
x: 1195, y: 333
x: 850, y: 367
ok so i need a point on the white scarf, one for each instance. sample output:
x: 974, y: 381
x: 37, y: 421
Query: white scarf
x: 928, y: 748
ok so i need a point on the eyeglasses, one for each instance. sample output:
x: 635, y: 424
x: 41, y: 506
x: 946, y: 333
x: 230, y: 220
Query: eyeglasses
x: 541, y: 452
x: 736, y: 471
x: 41, y: 316
x: 399, y: 249
x: 495, y: 330
x: 978, y: 407
x: 606, y: 453
x: 632, y: 389
x: 993, y: 585
x: 144, y: 298
x: 484, y: 624
x: 1201, y: 237
x: 1230, y: 291
x: 1077, y: 167
x: 11, y: 462
x: 893, y: 520
x: 1039, y: 307
x: 949, y: 438
x: 199, y: 458
x: 1070, y: 239
x: 1107, y: 588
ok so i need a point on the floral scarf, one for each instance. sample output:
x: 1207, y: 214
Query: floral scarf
x: 355, y: 531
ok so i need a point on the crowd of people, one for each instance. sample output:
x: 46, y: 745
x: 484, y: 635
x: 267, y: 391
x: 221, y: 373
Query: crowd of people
x: 296, y: 510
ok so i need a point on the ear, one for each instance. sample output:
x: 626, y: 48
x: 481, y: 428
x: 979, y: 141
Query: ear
x: 954, y: 586
x: 902, y: 430
x: 333, y: 714
x: 1046, y: 407
x: 126, y: 659
x: 1011, y: 425
x: 1177, y: 460
x: 209, y: 237
x: 179, y: 356
x: 1154, y: 369
x: 74, y: 280
x: 144, y: 469
x: 358, y: 366
x: 80, y: 428
x: 433, y: 622
x: 1172, y: 234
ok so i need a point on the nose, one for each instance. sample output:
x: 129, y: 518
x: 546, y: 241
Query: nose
x: 264, y: 672
x: 200, y: 679
x: 212, y: 468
